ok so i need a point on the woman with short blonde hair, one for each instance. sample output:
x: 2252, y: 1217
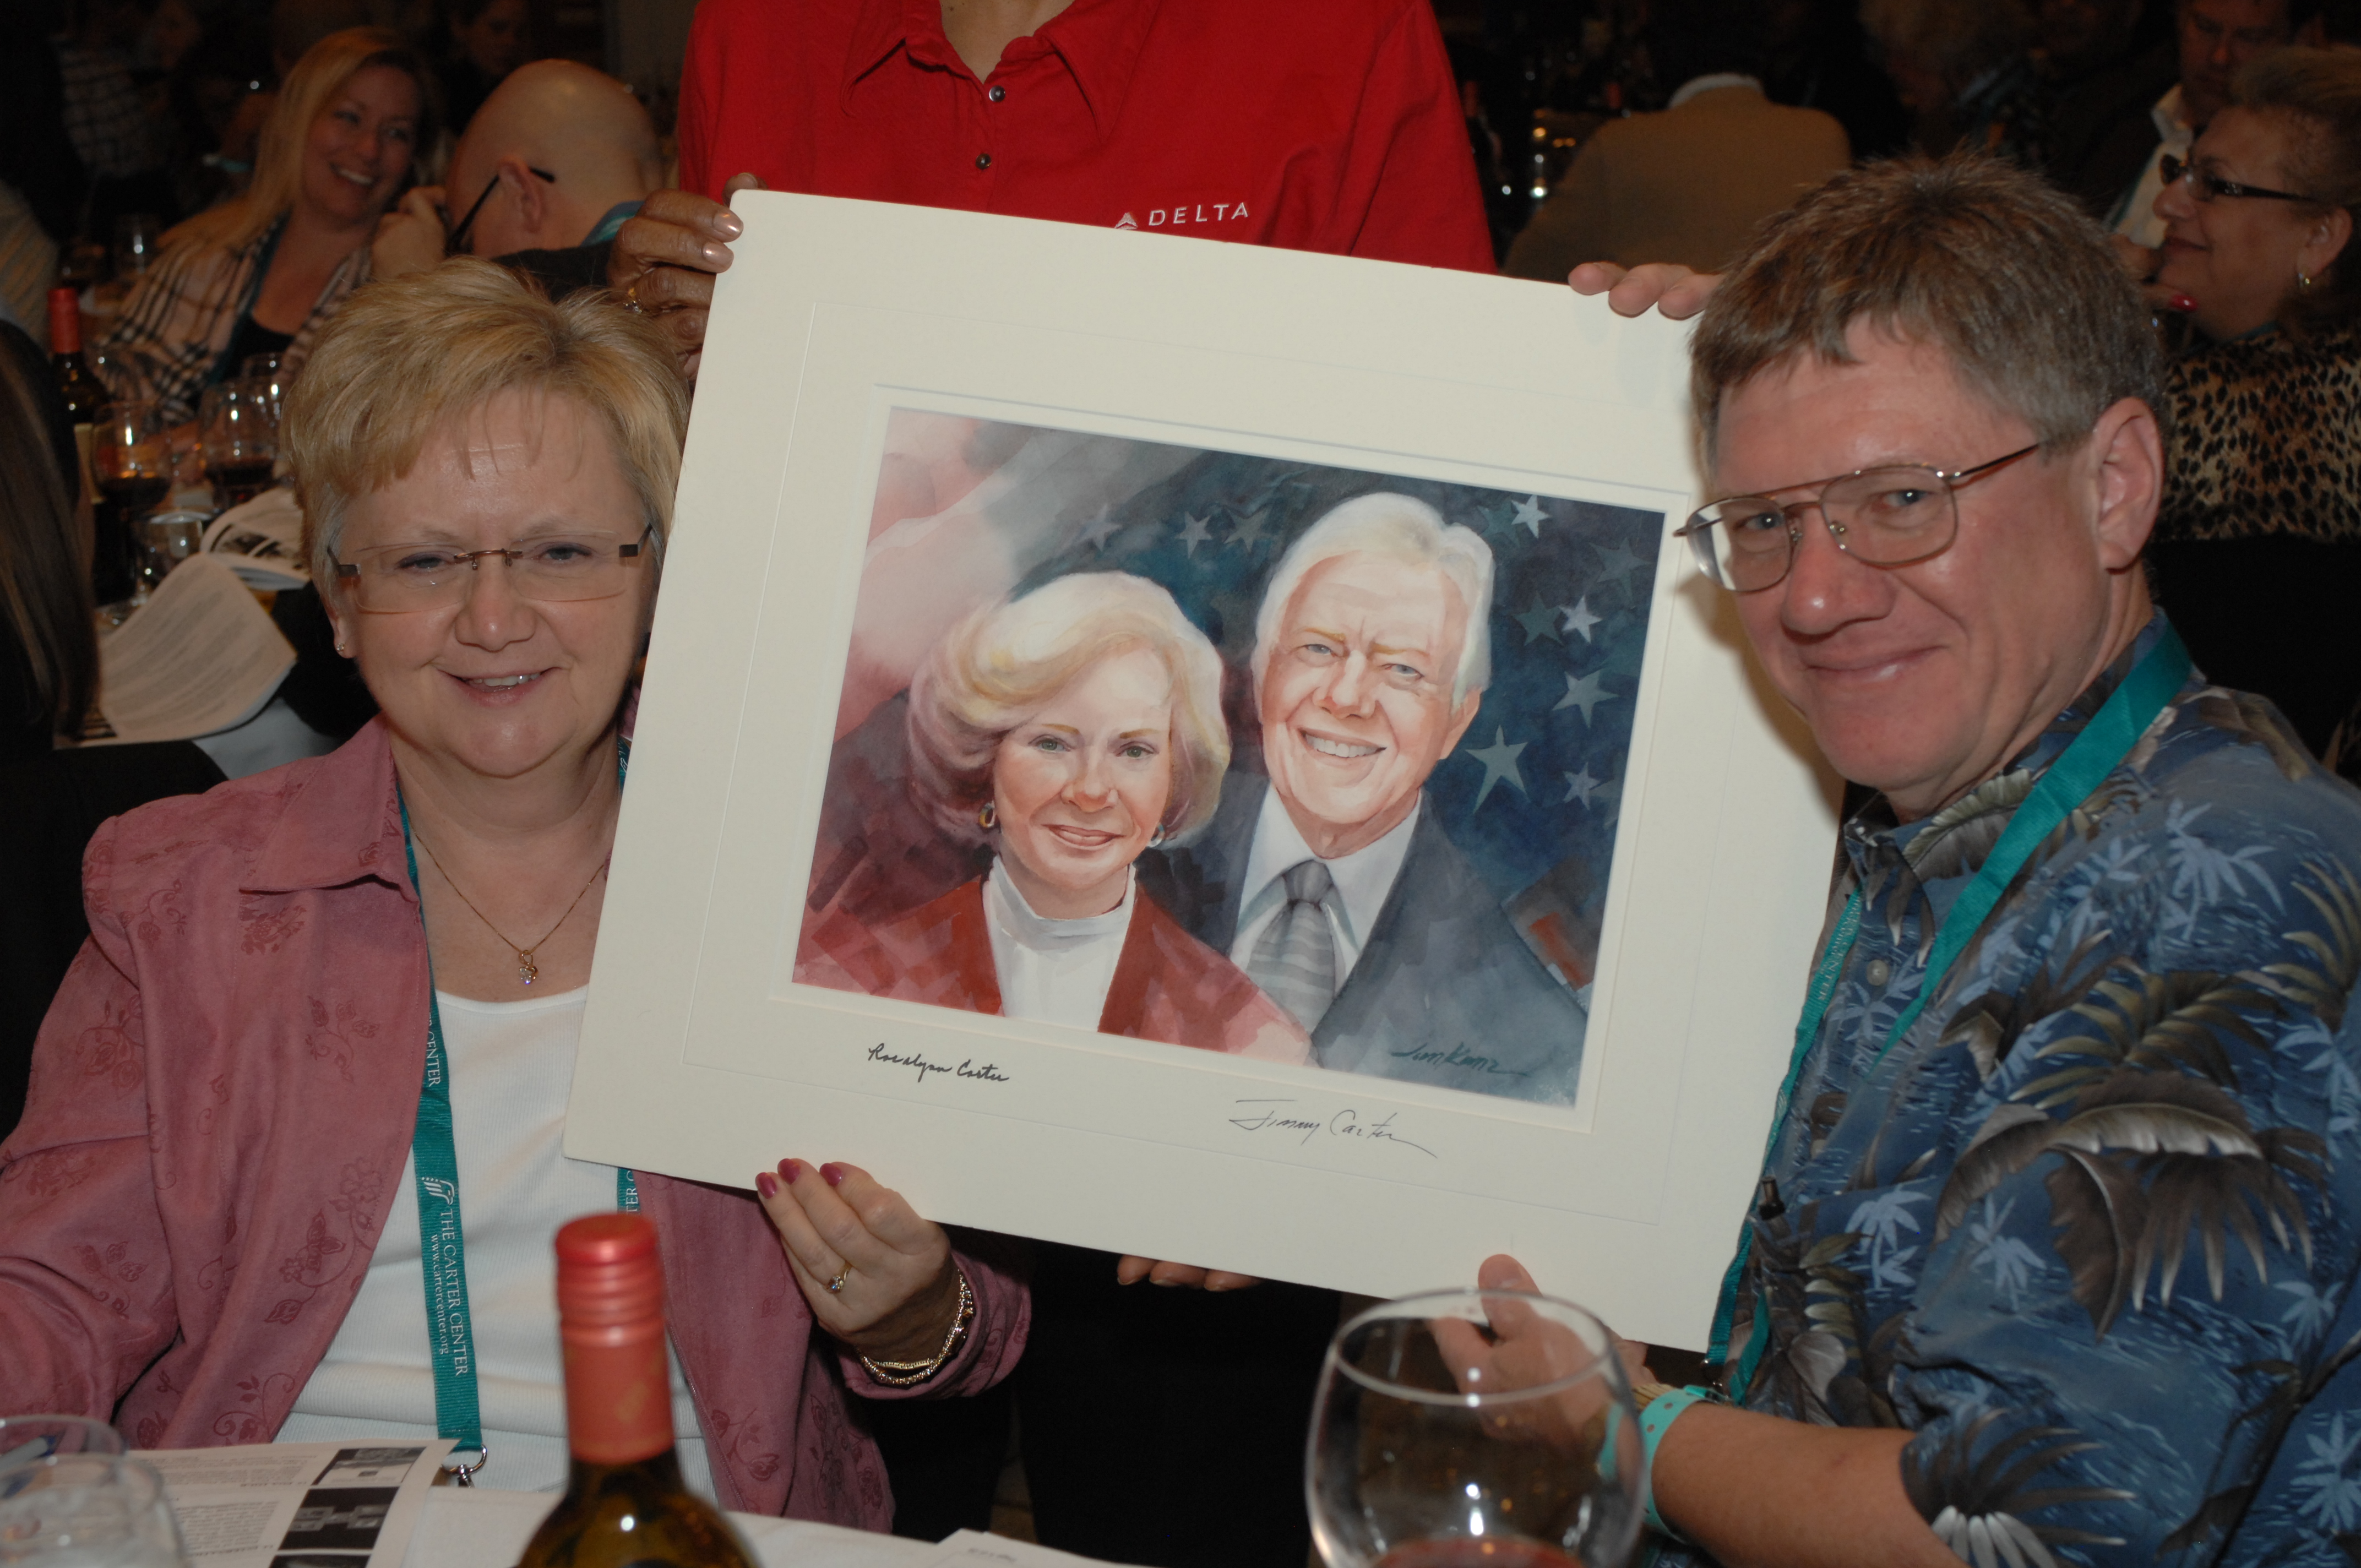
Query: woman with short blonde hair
x: 432, y: 346
x: 322, y: 960
x: 1000, y: 664
x: 263, y: 272
x: 1071, y: 728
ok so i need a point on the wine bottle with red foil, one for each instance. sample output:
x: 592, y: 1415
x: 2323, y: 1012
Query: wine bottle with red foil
x: 78, y: 386
x: 624, y: 1504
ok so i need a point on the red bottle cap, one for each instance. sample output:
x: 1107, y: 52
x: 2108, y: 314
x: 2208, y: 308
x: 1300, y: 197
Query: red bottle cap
x: 65, y: 321
x: 608, y: 1276
x: 611, y: 1327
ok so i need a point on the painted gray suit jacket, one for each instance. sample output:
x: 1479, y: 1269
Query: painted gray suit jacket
x: 1445, y: 992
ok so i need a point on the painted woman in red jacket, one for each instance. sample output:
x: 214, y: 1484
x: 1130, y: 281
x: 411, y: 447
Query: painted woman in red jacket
x: 1069, y: 729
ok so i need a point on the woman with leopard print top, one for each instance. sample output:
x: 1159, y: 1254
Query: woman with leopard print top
x: 2257, y: 548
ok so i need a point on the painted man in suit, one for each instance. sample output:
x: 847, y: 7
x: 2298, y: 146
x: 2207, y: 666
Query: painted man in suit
x: 1327, y: 877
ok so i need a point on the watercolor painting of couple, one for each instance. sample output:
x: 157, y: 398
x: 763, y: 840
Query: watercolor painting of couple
x: 1289, y: 761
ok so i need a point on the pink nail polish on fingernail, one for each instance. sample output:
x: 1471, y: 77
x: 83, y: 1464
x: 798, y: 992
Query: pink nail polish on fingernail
x: 832, y: 1174
x: 789, y: 1170
x: 766, y: 1184
x: 2183, y: 303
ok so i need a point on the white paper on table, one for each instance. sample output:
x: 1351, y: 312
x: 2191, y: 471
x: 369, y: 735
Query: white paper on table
x: 251, y: 1506
x: 974, y: 1549
x: 484, y: 1527
x: 262, y: 541
x: 200, y: 655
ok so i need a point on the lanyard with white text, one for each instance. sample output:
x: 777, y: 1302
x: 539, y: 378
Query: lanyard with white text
x: 2079, y: 771
x: 442, y: 1243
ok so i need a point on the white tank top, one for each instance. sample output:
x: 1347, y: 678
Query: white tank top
x: 512, y: 1069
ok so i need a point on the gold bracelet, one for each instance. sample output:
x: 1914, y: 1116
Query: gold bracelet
x: 905, y: 1374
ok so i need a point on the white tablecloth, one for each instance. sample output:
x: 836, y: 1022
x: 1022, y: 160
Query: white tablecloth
x: 481, y: 1527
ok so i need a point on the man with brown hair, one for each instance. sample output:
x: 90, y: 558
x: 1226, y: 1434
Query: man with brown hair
x: 2083, y: 1015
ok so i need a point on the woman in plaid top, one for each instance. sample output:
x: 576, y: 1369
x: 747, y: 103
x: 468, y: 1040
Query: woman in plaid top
x: 262, y: 273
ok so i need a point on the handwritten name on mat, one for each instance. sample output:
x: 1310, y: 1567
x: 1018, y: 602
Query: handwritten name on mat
x: 916, y: 1061
x: 1460, y: 1056
x: 1289, y: 1116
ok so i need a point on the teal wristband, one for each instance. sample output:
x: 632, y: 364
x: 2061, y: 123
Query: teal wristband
x: 1655, y: 1419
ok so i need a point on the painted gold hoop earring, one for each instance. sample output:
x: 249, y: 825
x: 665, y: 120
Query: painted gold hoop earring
x: 987, y: 819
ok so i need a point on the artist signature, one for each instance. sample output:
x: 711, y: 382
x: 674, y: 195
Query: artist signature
x: 1286, y: 1116
x: 987, y: 1072
x: 1459, y: 1057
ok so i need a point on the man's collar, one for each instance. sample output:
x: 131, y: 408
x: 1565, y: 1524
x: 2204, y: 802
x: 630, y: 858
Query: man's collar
x: 346, y: 827
x: 2171, y: 119
x: 1100, y: 42
x: 1697, y: 85
x: 2078, y: 713
x: 1878, y: 817
x: 1363, y: 878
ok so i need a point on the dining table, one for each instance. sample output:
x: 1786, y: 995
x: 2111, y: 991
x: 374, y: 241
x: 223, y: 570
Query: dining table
x: 481, y: 1526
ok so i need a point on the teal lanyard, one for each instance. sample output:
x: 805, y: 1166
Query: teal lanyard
x: 2078, y: 772
x: 443, y: 1242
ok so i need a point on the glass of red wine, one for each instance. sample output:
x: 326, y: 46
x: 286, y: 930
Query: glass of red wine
x: 1475, y: 1429
x: 132, y: 459
x: 238, y: 422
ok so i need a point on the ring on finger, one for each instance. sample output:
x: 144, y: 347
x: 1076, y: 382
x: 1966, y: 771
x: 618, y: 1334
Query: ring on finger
x: 631, y: 299
x: 837, y: 1284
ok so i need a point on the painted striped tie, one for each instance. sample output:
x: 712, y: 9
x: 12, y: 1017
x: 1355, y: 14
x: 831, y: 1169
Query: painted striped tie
x: 1295, y: 961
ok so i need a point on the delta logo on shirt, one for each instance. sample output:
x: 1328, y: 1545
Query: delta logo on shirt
x: 1185, y: 215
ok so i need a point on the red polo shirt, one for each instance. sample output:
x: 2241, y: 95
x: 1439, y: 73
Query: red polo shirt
x: 1318, y: 125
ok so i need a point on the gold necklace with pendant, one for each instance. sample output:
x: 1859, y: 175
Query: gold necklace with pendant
x: 527, y: 970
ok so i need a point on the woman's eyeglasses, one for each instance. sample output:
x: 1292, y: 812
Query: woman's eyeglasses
x: 392, y: 579
x: 2205, y: 186
x: 458, y: 240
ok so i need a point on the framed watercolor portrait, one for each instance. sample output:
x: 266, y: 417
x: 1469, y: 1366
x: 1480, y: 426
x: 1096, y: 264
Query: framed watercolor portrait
x: 1206, y: 753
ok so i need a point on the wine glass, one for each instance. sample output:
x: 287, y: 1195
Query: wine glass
x: 267, y: 370
x: 137, y: 237
x: 1475, y: 1427
x: 237, y: 423
x: 87, y: 1510
x: 23, y: 1439
x: 132, y: 460
x: 168, y: 538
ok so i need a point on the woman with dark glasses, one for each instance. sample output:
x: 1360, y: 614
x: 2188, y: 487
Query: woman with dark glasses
x: 2257, y: 548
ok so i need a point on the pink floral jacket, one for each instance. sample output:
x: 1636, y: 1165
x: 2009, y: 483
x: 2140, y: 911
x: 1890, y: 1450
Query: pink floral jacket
x: 222, y: 1099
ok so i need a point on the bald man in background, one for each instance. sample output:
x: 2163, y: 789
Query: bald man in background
x: 558, y: 157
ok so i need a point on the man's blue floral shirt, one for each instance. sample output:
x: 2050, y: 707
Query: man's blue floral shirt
x: 2090, y: 1228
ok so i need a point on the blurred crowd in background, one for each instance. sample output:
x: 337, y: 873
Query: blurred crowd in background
x: 150, y: 110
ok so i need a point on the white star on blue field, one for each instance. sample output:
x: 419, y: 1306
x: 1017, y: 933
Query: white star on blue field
x: 1099, y: 529
x: 1499, y: 760
x: 1585, y: 694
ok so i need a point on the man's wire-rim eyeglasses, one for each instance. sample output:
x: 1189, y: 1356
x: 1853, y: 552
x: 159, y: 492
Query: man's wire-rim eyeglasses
x: 392, y: 579
x: 1892, y: 515
x: 458, y: 240
x: 2205, y: 186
